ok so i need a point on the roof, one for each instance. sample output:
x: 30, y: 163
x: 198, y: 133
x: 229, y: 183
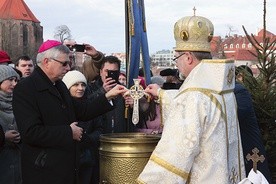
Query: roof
x: 16, y: 9
x: 268, y: 34
x: 245, y: 55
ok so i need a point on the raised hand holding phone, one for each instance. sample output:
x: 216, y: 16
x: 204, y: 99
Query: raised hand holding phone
x: 114, y: 74
x: 109, y: 83
x: 79, y: 47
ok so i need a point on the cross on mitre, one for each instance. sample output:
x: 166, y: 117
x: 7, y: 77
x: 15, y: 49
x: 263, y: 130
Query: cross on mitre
x: 255, y: 158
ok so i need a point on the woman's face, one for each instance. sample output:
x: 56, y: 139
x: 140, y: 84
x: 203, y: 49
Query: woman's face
x: 122, y: 79
x: 77, y: 90
x: 8, y: 85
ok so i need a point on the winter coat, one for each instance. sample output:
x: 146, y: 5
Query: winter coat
x: 44, y: 112
x: 10, y: 153
x: 249, y: 129
x: 113, y: 121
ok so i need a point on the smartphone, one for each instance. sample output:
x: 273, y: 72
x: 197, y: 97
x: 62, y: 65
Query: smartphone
x: 114, y: 74
x: 79, y: 47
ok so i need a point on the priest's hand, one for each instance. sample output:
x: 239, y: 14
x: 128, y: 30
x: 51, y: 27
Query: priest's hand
x: 153, y: 90
x: 117, y: 90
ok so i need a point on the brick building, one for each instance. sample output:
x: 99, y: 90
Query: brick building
x: 20, y: 31
x: 238, y: 48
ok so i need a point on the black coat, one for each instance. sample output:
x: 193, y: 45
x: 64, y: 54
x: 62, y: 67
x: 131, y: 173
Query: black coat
x: 113, y: 121
x: 2, y: 138
x: 250, y: 132
x: 44, y: 112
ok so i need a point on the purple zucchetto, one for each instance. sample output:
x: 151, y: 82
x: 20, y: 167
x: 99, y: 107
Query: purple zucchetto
x: 48, y: 45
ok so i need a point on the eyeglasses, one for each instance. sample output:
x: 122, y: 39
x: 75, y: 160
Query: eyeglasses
x: 65, y: 63
x: 177, y: 57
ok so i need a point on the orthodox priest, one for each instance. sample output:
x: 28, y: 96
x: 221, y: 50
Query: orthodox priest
x: 201, y: 139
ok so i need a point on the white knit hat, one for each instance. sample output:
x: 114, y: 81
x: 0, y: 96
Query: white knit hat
x: 7, y: 72
x: 73, y: 77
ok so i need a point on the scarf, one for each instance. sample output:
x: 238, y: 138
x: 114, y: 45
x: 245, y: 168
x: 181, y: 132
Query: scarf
x: 6, y: 112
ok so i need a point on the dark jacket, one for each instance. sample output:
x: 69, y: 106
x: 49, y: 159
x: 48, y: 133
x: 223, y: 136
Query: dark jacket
x: 2, y: 138
x: 250, y: 132
x: 89, y: 160
x: 10, y: 155
x: 44, y: 112
x: 113, y: 121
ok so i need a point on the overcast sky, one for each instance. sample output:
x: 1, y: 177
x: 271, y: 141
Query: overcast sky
x: 101, y: 23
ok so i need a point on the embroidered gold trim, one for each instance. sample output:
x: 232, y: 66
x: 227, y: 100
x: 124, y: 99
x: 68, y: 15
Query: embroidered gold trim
x: 239, y: 146
x: 210, y: 95
x: 131, y: 18
x: 161, y: 94
x: 139, y: 181
x: 239, y: 140
x: 207, y: 90
x: 169, y: 167
x: 226, y: 127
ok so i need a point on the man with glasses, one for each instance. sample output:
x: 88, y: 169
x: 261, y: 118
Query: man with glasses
x: 47, y: 116
x: 200, y: 141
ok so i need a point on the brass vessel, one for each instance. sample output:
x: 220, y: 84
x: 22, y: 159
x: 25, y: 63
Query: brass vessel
x: 124, y: 155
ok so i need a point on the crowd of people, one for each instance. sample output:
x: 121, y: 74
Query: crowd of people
x: 57, y: 113
x: 53, y: 112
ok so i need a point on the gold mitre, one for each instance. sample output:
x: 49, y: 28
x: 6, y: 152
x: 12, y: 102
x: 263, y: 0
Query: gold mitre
x: 193, y: 33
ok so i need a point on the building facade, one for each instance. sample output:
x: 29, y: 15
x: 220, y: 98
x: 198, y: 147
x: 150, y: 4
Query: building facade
x: 20, y: 31
x: 163, y: 58
x: 238, y: 48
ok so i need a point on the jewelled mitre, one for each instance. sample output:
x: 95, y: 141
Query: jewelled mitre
x: 193, y: 33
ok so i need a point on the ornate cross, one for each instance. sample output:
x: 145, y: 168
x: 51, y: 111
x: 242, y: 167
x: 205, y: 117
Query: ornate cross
x: 136, y: 92
x: 255, y: 158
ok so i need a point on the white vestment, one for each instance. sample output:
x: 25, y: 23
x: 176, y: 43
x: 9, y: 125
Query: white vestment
x: 255, y: 178
x: 200, y: 142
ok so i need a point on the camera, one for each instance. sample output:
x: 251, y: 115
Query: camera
x: 76, y: 47
x: 79, y: 47
x: 114, y: 74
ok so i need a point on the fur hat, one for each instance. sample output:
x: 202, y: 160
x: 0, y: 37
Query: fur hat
x: 4, y: 57
x: 72, y: 77
x: 157, y: 80
x: 168, y: 72
x: 48, y: 45
x: 7, y: 72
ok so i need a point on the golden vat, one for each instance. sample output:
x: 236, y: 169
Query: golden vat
x: 123, y: 156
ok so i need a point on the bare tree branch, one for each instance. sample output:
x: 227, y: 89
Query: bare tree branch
x: 62, y: 33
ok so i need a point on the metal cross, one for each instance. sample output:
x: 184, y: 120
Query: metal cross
x: 194, y: 11
x: 255, y: 158
x: 136, y: 92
